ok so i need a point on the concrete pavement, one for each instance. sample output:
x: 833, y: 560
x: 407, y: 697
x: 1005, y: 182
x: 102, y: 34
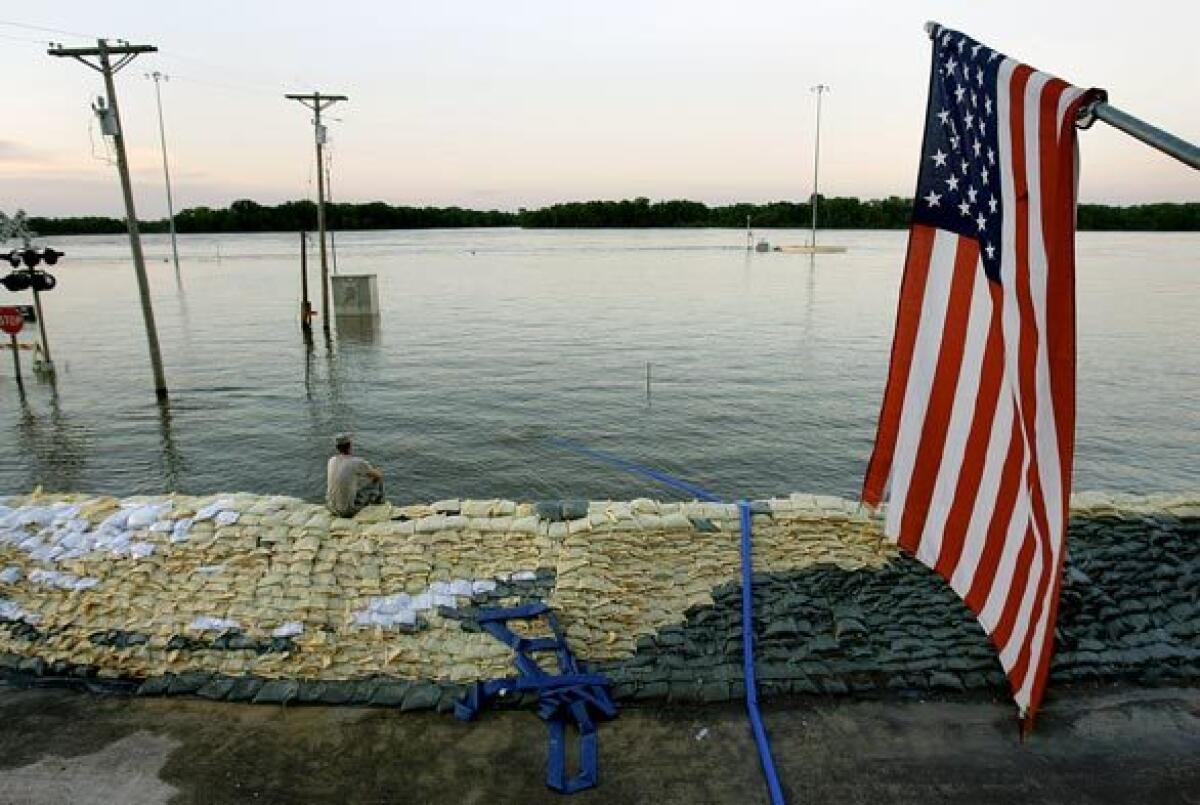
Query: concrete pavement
x: 1114, y: 745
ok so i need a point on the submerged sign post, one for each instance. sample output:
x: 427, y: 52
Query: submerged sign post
x: 12, y: 321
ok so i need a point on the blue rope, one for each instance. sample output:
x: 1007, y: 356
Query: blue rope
x: 756, y: 723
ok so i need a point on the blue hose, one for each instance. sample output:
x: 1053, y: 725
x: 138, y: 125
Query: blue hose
x: 570, y: 444
x: 756, y: 724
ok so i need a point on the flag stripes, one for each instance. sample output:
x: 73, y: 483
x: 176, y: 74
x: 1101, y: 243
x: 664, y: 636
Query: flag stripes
x: 975, y: 436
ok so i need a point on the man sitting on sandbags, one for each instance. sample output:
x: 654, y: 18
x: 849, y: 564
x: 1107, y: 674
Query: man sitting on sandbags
x: 351, y: 482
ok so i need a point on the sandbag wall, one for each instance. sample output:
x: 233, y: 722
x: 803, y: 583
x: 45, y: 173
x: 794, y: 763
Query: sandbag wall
x: 272, y: 599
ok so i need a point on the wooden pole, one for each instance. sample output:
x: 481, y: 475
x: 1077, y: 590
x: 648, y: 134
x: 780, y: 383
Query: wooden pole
x: 47, y: 361
x: 316, y: 101
x: 125, y: 53
x: 320, y: 138
x: 305, y: 305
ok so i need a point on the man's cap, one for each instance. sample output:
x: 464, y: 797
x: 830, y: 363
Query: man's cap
x: 342, y: 439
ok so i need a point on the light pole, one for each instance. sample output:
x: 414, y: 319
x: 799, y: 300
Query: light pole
x: 156, y: 77
x: 819, y: 89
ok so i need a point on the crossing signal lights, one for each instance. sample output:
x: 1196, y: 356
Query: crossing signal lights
x: 30, y: 277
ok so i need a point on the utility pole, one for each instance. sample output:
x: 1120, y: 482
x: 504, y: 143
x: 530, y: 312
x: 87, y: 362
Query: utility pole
x: 156, y: 77
x: 317, y: 102
x: 820, y: 89
x: 111, y: 118
x: 305, y: 305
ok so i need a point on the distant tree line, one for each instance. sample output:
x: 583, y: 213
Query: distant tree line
x: 833, y: 213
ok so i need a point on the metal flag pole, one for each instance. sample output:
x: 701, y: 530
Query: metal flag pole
x: 1156, y: 138
x: 1152, y: 136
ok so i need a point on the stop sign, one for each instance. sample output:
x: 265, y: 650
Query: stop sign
x: 11, y: 320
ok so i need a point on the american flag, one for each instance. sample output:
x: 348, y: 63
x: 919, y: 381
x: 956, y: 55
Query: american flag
x: 976, y: 433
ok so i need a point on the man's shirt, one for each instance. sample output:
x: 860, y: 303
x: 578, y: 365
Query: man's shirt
x: 342, y: 479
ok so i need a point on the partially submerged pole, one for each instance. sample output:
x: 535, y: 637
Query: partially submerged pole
x: 156, y: 76
x: 47, y: 361
x: 305, y: 305
x: 820, y: 89
x: 112, y: 118
x: 317, y: 102
x: 16, y: 351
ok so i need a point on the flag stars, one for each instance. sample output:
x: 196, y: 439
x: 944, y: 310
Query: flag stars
x: 952, y: 182
x: 984, y: 175
x: 979, y: 76
x: 991, y: 157
x: 971, y: 194
x: 959, y: 92
x: 965, y: 167
x: 933, y: 199
x: 974, y: 100
x: 964, y: 208
x: 975, y: 50
x: 944, y: 116
x: 992, y: 204
x: 939, y: 158
x: 976, y: 147
x: 987, y: 104
x: 961, y: 44
x: 982, y: 128
x: 991, y: 251
x: 969, y: 119
x: 954, y: 143
x: 981, y: 222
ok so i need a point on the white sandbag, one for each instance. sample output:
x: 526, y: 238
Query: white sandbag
x: 12, y: 611
x: 181, y: 530
x: 145, y: 516
x: 140, y: 550
x: 206, y: 624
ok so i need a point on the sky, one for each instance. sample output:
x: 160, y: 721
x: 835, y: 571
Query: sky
x: 501, y: 105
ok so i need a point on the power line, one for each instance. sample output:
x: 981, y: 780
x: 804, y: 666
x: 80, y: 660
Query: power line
x: 28, y: 39
x: 48, y: 30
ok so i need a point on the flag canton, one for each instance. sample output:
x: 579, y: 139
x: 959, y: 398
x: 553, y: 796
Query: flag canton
x: 958, y: 187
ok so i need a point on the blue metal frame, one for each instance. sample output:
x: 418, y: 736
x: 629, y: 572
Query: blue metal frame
x: 570, y: 696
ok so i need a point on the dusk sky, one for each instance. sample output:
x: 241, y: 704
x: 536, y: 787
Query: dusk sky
x: 488, y: 104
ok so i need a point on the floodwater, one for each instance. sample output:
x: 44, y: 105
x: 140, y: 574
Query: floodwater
x: 766, y: 370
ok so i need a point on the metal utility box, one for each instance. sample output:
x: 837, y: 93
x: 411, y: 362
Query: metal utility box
x: 355, y: 295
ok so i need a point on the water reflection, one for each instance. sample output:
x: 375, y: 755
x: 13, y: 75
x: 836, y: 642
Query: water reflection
x: 173, y: 464
x: 359, y: 330
x: 53, y: 446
